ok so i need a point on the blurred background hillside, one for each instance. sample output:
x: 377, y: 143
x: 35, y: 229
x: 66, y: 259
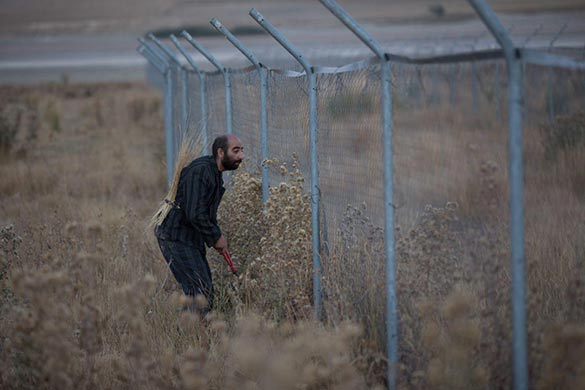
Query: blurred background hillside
x: 88, y: 41
x: 85, y: 16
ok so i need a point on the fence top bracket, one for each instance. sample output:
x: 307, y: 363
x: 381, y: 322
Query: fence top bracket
x: 185, y: 54
x: 165, y: 50
x: 280, y: 38
x: 355, y: 27
x: 490, y: 19
x: 204, y: 51
x: 160, y: 66
x: 236, y: 42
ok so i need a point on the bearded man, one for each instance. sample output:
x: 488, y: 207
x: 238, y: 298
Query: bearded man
x: 191, y: 222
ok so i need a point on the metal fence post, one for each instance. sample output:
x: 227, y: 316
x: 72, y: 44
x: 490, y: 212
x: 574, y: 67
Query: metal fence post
x: 184, y: 101
x: 474, y: 86
x: 497, y: 86
x: 549, y: 96
x: 313, y: 138
x: 435, y: 94
x: 388, y: 157
x: 203, y: 102
x: 201, y: 75
x: 224, y: 71
x: 263, y: 117
x: 178, y: 67
x: 515, y: 107
x: 452, y: 79
x: 168, y: 109
x: 418, y: 91
x: 550, y: 86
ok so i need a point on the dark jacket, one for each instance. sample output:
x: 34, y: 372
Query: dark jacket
x: 193, y: 217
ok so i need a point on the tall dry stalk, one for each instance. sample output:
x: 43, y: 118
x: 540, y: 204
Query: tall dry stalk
x: 190, y: 149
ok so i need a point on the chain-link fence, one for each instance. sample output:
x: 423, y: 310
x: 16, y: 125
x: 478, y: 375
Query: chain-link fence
x: 452, y: 143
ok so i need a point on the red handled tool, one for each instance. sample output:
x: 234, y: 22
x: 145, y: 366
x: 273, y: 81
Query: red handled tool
x: 228, y: 259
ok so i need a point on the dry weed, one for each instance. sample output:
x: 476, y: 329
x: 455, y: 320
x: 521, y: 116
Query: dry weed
x: 277, y: 281
x: 452, y: 339
x: 88, y: 302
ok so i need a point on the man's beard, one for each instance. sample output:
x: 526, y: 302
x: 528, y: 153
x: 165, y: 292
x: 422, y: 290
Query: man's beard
x: 229, y: 164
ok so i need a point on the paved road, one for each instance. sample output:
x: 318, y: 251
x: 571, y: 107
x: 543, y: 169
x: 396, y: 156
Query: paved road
x: 114, y: 58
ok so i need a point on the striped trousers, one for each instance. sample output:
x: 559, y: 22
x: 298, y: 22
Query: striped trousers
x: 190, y: 268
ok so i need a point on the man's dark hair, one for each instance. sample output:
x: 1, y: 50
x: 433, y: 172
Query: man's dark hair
x: 220, y: 142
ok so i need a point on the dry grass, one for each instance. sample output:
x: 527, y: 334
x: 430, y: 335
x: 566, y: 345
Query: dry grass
x: 87, y: 301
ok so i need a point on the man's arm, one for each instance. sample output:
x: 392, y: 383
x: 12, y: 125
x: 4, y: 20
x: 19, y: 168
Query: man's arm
x: 199, y: 194
x: 221, y: 244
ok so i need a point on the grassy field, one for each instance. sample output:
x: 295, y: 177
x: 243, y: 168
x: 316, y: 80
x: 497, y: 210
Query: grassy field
x: 88, y: 302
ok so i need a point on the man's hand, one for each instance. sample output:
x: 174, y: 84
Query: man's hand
x: 221, y: 244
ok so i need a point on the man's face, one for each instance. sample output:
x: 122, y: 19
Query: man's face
x: 234, y: 155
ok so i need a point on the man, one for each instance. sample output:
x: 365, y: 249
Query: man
x: 191, y: 224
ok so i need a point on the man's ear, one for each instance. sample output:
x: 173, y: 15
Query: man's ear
x: 220, y: 153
